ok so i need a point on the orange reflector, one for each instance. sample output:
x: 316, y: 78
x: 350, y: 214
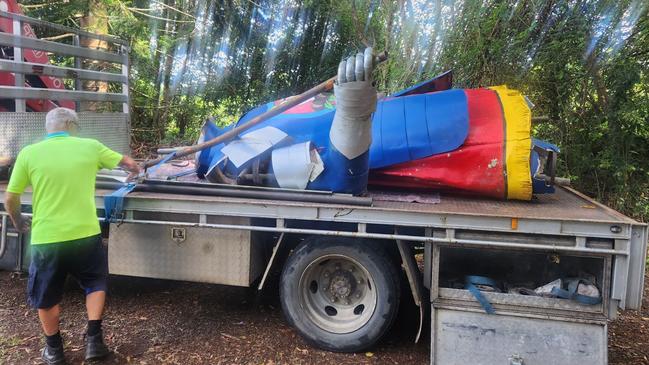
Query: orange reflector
x: 514, y: 223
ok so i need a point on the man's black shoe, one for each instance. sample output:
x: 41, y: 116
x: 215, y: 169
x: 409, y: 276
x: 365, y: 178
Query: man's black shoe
x: 53, y: 355
x: 95, y: 348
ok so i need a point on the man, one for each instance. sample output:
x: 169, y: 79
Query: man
x: 65, y: 233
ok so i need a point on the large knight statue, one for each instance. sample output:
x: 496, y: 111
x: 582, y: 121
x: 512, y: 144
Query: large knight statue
x: 429, y: 136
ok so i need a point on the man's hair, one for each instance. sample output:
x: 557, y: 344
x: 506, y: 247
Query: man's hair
x: 58, y: 119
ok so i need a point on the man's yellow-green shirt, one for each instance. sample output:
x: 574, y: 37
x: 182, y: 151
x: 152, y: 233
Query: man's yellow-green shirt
x: 61, y: 170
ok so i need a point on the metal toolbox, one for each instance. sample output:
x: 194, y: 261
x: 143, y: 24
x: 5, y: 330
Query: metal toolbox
x: 165, y: 251
x: 525, y: 329
x: 461, y: 336
x: 534, y: 267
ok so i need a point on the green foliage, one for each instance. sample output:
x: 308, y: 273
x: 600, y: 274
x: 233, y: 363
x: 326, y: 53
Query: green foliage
x: 224, y: 113
x: 582, y: 62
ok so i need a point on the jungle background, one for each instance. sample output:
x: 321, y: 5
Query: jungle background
x: 583, y: 63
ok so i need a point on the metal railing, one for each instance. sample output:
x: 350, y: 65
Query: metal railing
x: 24, y: 40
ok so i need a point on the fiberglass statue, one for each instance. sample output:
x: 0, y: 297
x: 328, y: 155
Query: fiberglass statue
x: 474, y: 141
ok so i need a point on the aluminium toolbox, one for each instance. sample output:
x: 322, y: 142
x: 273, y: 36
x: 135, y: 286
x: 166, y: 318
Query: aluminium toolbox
x: 525, y: 329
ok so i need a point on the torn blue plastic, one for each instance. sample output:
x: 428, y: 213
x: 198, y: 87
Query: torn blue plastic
x: 349, y: 180
x: 204, y: 158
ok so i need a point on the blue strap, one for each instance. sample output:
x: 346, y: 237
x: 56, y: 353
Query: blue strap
x: 470, y: 283
x: 571, y: 293
x: 181, y: 174
x: 114, y: 202
x: 153, y: 168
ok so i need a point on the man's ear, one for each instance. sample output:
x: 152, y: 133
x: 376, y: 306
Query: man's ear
x: 72, y: 127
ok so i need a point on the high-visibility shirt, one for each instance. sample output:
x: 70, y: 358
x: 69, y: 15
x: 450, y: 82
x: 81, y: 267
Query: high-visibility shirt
x: 61, y: 170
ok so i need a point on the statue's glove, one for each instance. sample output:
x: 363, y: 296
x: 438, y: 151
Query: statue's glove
x: 351, y: 130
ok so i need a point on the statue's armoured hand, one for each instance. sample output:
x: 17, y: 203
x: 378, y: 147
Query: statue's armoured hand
x: 351, y: 130
x: 357, y: 68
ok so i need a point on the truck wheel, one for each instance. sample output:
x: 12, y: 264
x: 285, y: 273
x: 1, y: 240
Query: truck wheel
x: 340, y: 294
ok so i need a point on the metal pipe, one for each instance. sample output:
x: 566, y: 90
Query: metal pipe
x: 242, y: 193
x: 388, y: 236
x: 270, y: 261
x: 454, y: 241
x: 563, y: 181
x: 3, y: 236
x: 234, y: 132
x: 236, y: 187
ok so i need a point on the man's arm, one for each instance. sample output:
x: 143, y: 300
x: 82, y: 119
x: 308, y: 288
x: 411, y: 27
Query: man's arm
x: 131, y: 166
x: 12, y: 205
x: 109, y: 159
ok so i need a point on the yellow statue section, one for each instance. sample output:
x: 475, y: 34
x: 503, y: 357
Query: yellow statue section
x: 518, y: 123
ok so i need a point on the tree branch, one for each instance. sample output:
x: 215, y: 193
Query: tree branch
x: 174, y: 9
x: 135, y: 10
x: 53, y: 38
x: 43, y: 5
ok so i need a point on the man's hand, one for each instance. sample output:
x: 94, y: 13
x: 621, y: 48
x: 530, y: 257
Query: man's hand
x: 131, y: 166
x: 12, y: 204
x: 24, y: 223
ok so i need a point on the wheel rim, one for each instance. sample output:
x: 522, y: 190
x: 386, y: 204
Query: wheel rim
x: 337, y: 293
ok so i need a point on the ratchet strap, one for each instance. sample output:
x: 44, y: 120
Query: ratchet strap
x: 470, y: 283
x: 571, y: 292
x: 114, y: 202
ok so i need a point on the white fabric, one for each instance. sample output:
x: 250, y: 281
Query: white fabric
x: 294, y: 166
x: 588, y: 289
x: 253, y: 144
x: 546, y: 289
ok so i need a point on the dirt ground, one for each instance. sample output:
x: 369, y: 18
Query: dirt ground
x: 165, y: 322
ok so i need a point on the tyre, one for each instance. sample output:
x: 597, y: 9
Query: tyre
x: 340, y: 294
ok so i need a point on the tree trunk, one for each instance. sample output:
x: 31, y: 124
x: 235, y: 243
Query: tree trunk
x: 95, y: 21
x: 162, y: 112
x: 436, y: 31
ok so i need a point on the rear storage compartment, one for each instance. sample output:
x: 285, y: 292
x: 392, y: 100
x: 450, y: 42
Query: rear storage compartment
x: 517, y: 274
x: 515, y: 318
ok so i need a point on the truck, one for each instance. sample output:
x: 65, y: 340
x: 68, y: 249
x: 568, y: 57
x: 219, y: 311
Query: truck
x: 346, y: 261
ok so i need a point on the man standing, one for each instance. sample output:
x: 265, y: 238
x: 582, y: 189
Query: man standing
x: 65, y: 233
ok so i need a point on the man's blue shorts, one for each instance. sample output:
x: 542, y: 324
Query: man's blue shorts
x: 84, y: 259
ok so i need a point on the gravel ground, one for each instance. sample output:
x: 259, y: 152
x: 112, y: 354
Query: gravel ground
x: 164, y: 322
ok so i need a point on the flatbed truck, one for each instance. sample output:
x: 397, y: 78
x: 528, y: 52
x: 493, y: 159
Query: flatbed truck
x: 345, y: 261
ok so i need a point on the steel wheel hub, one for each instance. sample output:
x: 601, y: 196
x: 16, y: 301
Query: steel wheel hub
x: 337, y: 294
x: 342, y: 284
